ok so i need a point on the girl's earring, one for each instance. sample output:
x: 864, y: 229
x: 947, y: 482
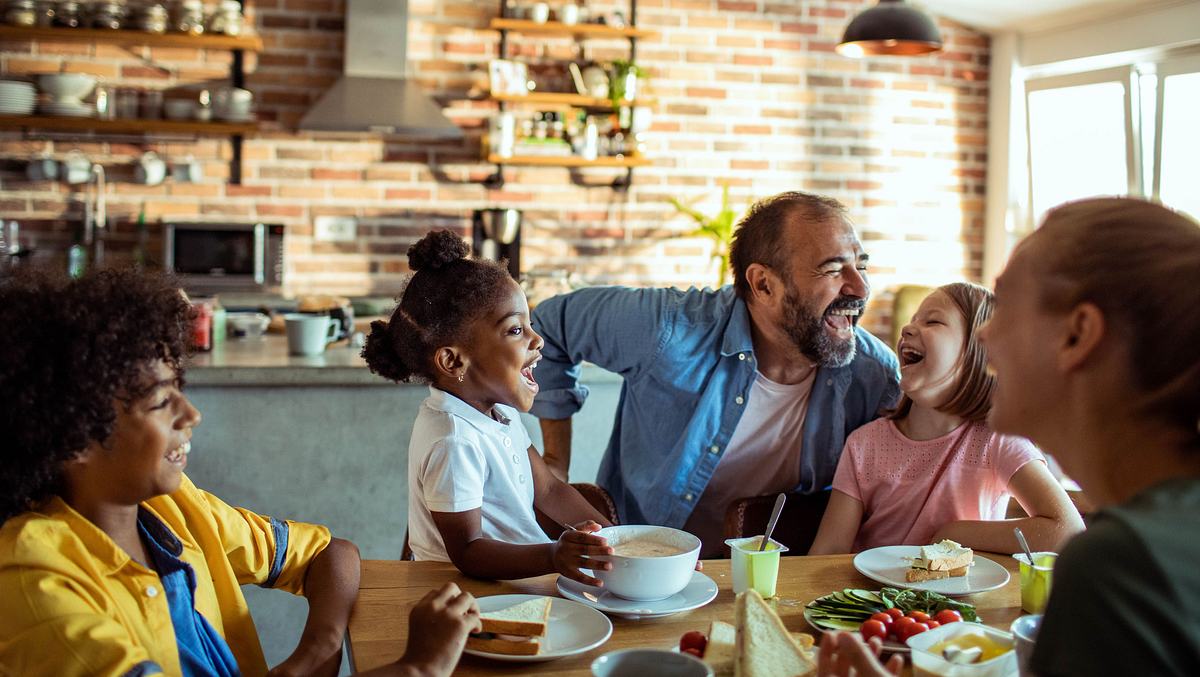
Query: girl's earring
x: 460, y: 378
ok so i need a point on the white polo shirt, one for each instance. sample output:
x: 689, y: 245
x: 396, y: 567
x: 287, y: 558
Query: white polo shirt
x: 460, y: 459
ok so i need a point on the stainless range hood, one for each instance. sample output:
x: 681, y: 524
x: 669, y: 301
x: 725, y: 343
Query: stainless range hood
x: 374, y: 94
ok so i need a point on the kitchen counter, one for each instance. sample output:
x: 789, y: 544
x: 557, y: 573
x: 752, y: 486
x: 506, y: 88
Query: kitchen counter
x: 265, y: 362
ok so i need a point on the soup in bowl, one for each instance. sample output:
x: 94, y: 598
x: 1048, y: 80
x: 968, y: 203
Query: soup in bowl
x: 648, y: 563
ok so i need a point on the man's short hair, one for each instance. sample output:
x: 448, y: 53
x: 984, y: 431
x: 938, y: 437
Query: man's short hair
x: 760, y: 237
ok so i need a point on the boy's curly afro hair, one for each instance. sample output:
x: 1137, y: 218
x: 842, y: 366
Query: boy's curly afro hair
x: 69, y: 349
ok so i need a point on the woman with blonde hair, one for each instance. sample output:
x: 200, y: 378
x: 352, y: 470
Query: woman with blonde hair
x: 1095, y: 342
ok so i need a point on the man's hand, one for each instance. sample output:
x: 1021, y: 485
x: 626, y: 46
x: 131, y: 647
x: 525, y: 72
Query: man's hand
x: 574, y: 550
x: 843, y: 654
x: 438, y: 628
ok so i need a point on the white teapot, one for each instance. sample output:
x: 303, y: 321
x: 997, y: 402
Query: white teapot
x: 150, y: 169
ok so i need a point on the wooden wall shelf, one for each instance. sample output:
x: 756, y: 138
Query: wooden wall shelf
x: 128, y: 126
x: 248, y: 43
x: 579, y: 31
x: 626, y: 162
x: 565, y: 99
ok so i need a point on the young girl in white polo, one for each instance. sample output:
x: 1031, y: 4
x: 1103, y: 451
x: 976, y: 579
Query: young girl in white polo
x: 462, y: 326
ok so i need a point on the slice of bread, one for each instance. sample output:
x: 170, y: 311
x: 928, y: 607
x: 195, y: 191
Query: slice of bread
x: 721, y: 649
x: 918, y: 575
x: 765, y: 648
x: 527, y: 618
x: 529, y: 646
x: 946, y: 555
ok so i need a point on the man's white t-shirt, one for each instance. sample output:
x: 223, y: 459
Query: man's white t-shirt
x: 762, y: 457
x: 460, y: 459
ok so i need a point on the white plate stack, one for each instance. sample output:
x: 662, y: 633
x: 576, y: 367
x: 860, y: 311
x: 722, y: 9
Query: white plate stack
x: 16, y: 97
x: 66, y: 109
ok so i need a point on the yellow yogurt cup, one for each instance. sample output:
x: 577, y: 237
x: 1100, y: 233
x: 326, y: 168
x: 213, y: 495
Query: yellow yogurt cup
x: 1036, y: 578
x: 755, y: 569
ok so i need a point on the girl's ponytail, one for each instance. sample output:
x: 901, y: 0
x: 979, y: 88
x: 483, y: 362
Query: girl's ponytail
x: 381, y: 354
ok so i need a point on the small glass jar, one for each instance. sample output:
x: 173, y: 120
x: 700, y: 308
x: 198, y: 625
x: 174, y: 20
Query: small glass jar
x: 153, y: 19
x: 68, y: 15
x: 20, y: 13
x: 227, y: 20
x: 46, y: 10
x: 189, y: 17
x: 108, y: 15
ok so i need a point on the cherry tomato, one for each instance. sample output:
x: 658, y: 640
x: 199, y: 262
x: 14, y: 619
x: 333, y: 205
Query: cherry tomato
x: 694, y: 640
x: 873, y: 628
x: 919, y: 616
x: 933, y: 624
x: 895, y: 613
x: 693, y: 651
x: 900, y: 624
x: 947, y: 616
x: 912, y: 629
x: 886, y: 619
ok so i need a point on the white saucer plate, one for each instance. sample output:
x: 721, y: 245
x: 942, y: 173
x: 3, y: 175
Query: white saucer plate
x: 574, y: 628
x: 699, y: 591
x: 887, y: 565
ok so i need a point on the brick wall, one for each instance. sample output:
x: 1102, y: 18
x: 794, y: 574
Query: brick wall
x: 749, y: 93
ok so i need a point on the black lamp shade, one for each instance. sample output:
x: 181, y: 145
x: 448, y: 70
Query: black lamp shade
x: 891, y: 27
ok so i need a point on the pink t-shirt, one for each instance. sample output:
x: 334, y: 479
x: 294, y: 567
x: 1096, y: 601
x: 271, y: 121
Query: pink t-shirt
x: 892, y: 475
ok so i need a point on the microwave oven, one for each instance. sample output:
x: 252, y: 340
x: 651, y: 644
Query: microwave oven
x: 215, y: 257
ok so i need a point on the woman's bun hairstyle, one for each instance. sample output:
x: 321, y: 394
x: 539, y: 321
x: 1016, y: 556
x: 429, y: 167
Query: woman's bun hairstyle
x: 437, y: 250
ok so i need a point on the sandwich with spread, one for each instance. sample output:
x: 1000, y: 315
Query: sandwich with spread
x: 940, y: 560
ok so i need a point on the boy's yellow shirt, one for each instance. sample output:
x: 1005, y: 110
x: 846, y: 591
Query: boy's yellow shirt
x: 73, y: 603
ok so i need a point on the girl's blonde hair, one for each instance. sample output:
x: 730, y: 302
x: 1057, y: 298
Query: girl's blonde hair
x: 972, y: 396
x: 1139, y: 262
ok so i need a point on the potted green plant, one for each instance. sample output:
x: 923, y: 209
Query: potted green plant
x: 623, y: 85
x: 717, y: 227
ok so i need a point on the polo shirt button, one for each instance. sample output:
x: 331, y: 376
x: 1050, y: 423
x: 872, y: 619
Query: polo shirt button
x: 715, y: 449
x: 687, y: 497
x: 742, y: 356
x: 521, y: 479
x: 516, y: 459
x: 739, y: 399
x: 151, y: 591
x: 507, y: 442
x: 829, y: 382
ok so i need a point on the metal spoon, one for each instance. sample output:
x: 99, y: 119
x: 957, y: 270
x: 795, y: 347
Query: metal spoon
x: 1024, y: 544
x: 779, y: 501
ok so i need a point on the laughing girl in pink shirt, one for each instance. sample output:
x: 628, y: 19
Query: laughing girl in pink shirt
x: 933, y: 469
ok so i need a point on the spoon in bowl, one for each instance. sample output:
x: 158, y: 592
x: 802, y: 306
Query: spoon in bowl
x: 779, y: 501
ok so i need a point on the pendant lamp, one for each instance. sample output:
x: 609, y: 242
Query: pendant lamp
x: 893, y: 27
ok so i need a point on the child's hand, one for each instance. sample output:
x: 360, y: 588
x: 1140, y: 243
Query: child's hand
x: 438, y: 628
x: 575, y: 547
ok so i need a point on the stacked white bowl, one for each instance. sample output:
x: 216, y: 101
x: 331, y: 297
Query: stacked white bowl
x: 16, y: 97
x: 65, y: 92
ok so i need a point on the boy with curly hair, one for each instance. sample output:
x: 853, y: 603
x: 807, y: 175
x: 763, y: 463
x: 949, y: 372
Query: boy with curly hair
x: 111, y: 561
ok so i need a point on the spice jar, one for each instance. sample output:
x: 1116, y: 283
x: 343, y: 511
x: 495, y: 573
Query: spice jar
x: 189, y: 17
x: 153, y: 19
x: 108, y: 15
x: 45, y: 12
x: 227, y: 19
x: 20, y: 13
x: 67, y: 15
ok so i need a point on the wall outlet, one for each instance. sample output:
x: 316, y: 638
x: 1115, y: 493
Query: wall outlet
x: 335, y: 228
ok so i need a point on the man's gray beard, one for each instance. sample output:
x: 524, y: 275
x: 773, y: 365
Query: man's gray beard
x: 806, y: 329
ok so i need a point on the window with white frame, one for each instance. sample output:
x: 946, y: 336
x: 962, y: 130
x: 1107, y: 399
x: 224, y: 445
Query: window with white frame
x: 1132, y: 130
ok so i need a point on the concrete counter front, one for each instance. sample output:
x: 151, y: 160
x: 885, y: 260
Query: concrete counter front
x: 321, y: 439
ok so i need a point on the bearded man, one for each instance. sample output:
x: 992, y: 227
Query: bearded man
x: 748, y: 390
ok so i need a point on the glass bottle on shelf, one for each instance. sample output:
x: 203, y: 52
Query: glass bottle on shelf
x: 227, y: 20
x: 67, y: 15
x: 189, y: 17
x: 46, y: 9
x: 108, y: 15
x: 21, y: 13
x: 153, y: 18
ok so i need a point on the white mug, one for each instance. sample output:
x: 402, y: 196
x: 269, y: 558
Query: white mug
x: 42, y: 168
x: 76, y: 168
x: 308, y: 334
x: 150, y: 169
x: 540, y: 12
x: 569, y: 14
x: 187, y: 171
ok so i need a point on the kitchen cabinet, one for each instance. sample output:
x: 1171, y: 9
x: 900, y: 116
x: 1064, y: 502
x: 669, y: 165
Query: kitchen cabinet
x: 237, y: 44
x: 577, y: 31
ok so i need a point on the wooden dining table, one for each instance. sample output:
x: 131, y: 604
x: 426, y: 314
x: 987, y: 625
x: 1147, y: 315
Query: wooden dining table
x: 389, y: 589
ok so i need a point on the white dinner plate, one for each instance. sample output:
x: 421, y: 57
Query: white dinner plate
x: 699, y: 591
x: 888, y: 564
x: 574, y: 628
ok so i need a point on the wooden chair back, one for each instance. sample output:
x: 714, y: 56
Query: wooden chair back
x: 798, y: 524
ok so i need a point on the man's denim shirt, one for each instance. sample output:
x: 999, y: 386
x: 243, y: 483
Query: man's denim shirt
x: 688, y: 364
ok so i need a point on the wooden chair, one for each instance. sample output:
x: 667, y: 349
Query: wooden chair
x: 594, y: 494
x: 798, y: 524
